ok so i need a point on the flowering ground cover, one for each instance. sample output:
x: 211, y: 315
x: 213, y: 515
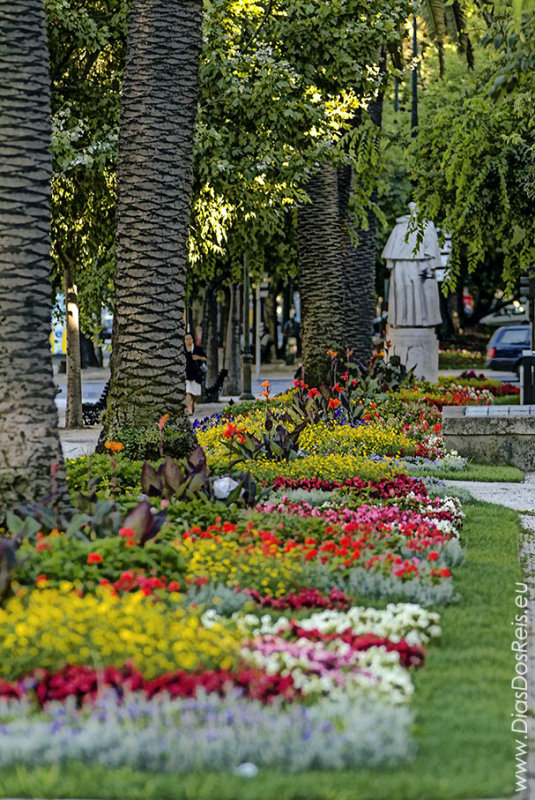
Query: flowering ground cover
x: 283, y: 623
x: 461, y: 745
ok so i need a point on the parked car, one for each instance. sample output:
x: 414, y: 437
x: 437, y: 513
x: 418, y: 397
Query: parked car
x: 517, y: 312
x: 504, y: 350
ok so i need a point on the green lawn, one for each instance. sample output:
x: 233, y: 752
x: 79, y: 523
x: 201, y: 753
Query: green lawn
x: 473, y: 472
x: 462, y: 701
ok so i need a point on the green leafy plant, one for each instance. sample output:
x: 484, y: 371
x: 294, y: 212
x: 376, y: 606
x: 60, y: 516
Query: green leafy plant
x: 8, y: 564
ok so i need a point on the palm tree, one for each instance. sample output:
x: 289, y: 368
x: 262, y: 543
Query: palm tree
x: 321, y: 275
x: 155, y: 167
x: 29, y: 441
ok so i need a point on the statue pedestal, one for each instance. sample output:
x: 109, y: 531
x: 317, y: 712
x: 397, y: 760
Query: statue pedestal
x: 416, y: 347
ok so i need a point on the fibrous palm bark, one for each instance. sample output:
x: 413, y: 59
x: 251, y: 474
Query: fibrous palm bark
x: 29, y: 441
x: 321, y: 275
x: 155, y: 168
x: 359, y: 254
x: 359, y: 273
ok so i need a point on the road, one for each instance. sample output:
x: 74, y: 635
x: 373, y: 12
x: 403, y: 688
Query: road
x: 279, y: 375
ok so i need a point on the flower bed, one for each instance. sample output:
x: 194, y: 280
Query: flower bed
x: 164, y: 648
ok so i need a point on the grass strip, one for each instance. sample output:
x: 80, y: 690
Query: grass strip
x: 473, y: 472
x: 507, y: 400
x: 463, y: 703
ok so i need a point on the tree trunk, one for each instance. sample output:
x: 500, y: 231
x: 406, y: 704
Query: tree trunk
x: 321, y: 278
x: 359, y: 272
x: 210, y: 339
x: 233, y: 384
x: 154, y: 174
x: 359, y: 260
x: 270, y: 316
x: 29, y: 441
x: 73, y: 412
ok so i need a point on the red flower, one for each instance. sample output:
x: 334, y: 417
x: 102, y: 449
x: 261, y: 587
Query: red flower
x: 43, y: 546
x: 444, y: 573
x: 128, y: 533
x: 338, y: 388
x: 313, y: 393
x: 94, y: 558
x: 232, y: 431
x: 41, y: 579
x: 334, y: 402
x: 433, y: 556
x: 229, y: 527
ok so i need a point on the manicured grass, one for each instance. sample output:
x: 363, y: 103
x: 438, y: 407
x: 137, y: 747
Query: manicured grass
x: 462, y: 701
x: 473, y: 472
x: 460, y: 361
x: 507, y: 400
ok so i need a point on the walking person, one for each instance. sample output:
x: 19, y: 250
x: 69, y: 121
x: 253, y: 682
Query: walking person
x: 195, y: 369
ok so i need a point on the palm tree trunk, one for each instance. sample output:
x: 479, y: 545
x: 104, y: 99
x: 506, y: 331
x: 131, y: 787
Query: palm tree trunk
x: 29, y: 441
x: 321, y: 276
x: 155, y: 167
x: 359, y: 260
x: 359, y: 272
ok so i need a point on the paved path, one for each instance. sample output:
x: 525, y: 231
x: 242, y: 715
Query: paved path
x: 519, y: 496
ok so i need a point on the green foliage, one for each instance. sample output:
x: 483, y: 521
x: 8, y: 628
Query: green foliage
x: 473, y: 161
x: 67, y: 560
x: 144, y: 443
x: 87, y: 48
x: 82, y: 471
x: 280, y: 87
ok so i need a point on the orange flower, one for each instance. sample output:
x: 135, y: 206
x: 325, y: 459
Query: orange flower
x: 332, y: 353
x: 266, y: 385
x: 94, y: 558
x: 130, y: 543
x: 115, y: 447
x: 334, y: 402
x: 41, y: 580
x: 162, y: 422
x: 232, y: 431
x: 264, y: 394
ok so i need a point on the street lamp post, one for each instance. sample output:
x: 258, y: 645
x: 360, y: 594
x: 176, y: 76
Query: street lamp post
x: 247, y: 355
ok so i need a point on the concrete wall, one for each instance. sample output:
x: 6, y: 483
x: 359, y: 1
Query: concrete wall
x: 491, y: 440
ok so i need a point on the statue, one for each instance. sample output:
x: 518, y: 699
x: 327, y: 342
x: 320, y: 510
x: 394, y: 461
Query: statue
x: 413, y: 302
x: 413, y: 297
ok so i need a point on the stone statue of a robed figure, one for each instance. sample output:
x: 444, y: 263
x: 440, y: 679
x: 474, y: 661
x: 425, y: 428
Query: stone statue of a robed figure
x: 413, y: 301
